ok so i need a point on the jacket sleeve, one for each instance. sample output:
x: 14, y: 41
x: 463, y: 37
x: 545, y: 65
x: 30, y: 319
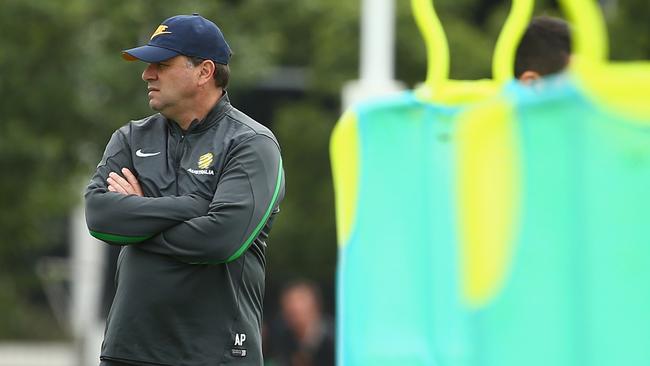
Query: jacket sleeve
x: 120, y: 219
x: 249, y: 191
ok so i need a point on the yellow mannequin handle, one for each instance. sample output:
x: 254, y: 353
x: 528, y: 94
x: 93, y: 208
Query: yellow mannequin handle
x: 513, y: 30
x: 589, y: 33
x: 589, y: 40
x: 438, y: 48
x: 435, y: 41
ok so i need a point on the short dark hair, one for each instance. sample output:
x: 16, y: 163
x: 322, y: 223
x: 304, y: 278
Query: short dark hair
x: 221, y: 71
x: 545, y: 47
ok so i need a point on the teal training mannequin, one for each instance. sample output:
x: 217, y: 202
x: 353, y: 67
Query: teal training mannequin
x: 492, y: 225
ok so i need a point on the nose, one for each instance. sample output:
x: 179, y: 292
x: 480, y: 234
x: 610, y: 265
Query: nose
x: 149, y: 73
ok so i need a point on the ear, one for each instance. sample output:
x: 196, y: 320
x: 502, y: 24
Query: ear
x: 528, y: 77
x: 207, y: 69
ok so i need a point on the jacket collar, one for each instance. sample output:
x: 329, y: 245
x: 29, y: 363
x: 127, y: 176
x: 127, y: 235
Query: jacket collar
x: 216, y: 113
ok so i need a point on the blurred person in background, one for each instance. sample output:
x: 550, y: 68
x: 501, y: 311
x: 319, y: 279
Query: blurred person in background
x: 306, y: 336
x: 190, y: 193
x: 545, y: 49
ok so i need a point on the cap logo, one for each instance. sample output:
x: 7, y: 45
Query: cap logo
x: 162, y: 29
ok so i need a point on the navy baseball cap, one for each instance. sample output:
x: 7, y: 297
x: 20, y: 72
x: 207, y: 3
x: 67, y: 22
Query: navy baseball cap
x: 188, y: 35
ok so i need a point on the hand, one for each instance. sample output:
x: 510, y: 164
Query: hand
x: 127, y: 186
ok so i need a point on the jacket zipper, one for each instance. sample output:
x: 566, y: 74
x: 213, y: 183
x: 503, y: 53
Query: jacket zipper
x: 179, y: 156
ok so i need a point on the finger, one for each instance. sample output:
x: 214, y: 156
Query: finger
x: 122, y: 182
x: 130, y: 177
x: 116, y: 190
x: 116, y: 185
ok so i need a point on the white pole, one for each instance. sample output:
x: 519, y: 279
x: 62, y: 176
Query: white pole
x: 377, y: 41
x: 88, y: 258
x: 377, y: 53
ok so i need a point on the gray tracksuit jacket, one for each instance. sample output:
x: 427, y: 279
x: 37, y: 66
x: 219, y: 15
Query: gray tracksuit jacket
x: 190, y: 275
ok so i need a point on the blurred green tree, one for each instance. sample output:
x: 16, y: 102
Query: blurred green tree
x: 39, y: 137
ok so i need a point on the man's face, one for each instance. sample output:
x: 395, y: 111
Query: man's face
x: 171, y: 84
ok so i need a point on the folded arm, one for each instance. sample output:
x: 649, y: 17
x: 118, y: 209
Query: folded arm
x: 118, y: 217
x: 248, y: 193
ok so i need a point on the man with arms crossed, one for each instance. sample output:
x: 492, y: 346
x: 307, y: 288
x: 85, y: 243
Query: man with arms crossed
x: 190, y: 194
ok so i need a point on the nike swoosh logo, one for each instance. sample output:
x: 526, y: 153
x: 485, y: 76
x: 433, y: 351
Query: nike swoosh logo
x: 145, y: 155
